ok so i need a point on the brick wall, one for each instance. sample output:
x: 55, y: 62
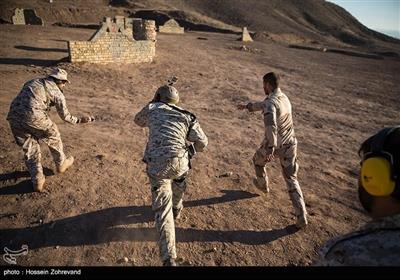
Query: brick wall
x: 18, y: 17
x: 113, y: 43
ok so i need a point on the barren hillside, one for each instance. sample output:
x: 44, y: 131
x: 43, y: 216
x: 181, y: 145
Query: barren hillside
x: 314, y: 22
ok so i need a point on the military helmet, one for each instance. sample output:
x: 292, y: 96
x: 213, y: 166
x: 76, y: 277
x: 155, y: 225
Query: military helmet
x: 168, y: 94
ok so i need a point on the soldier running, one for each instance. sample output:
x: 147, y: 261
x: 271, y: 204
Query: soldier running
x: 167, y: 157
x: 279, y: 140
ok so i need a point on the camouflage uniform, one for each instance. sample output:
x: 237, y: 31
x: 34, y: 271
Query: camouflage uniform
x: 30, y: 122
x: 167, y: 161
x: 279, y: 136
x: 375, y: 244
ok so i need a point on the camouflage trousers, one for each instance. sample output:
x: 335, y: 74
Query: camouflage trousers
x: 27, y: 137
x: 168, y: 185
x: 288, y: 158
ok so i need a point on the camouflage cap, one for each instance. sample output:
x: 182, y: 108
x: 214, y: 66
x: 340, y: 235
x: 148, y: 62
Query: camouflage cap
x: 59, y: 74
x: 168, y: 94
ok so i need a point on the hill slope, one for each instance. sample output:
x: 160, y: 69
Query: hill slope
x: 309, y: 21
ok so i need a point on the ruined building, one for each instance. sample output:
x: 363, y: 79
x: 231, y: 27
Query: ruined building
x: 246, y: 36
x: 119, y: 40
x: 26, y: 17
x: 171, y: 26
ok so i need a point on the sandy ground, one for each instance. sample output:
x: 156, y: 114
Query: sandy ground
x: 99, y: 212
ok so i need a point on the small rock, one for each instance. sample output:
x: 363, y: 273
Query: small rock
x: 126, y: 259
x: 122, y: 260
x: 100, y: 157
x: 57, y: 247
x: 244, y: 48
x: 226, y: 174
x: 212, y: 250
x: 40, y: 221
x: 101, y: 259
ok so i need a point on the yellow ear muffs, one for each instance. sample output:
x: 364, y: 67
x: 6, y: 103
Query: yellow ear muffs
x: 376, y: 176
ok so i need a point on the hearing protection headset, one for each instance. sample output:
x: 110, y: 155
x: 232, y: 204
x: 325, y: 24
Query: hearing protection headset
x: 378, y: 174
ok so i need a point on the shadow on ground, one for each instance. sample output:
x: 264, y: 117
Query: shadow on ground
x: 31, y: 61
x: 9, y: 182
x: 28, y: 48
x: 116, y: 224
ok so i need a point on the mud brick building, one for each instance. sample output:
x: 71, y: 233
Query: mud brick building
x: 171, y: 26
x: 26, y: 17
x: 119, y: 40
x: 246, y: 35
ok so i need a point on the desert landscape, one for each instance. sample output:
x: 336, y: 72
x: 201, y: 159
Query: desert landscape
x: 99, y: 212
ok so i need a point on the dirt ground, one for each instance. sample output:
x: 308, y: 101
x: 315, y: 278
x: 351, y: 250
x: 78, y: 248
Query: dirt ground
x: 98, y: 212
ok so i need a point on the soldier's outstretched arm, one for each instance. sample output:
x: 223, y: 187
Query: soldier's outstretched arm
x: 198, y: 137
x: 252, y: 106
x: 62, y: 110
x: 141, y: 118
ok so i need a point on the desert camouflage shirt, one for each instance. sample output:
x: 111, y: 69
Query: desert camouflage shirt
x: 35, y: 100
x: 169, y: 131
x: 277, y: 110
x: 375, y: 244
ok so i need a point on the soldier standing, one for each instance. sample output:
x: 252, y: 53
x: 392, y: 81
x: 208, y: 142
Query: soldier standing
x: 167, y: 158
x: 378, y: 242
x: 29, y: 122
x: 279, y: 140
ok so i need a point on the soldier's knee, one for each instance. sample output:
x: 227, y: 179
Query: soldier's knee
x: 290, y: 171
x: 53, y: 132
x: 260, y: 172
x: 259, y: 160
x: 161, y: 199
x: 180, y: 182
x: 182, y: 178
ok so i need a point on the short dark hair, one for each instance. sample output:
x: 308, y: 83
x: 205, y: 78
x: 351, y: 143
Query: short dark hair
x: 272, y: 78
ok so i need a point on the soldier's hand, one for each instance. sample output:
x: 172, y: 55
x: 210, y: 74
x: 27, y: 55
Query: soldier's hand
x: 270, y: 154
x: 86, y: 119
x: 242, y: 106
x: 270, y: 157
